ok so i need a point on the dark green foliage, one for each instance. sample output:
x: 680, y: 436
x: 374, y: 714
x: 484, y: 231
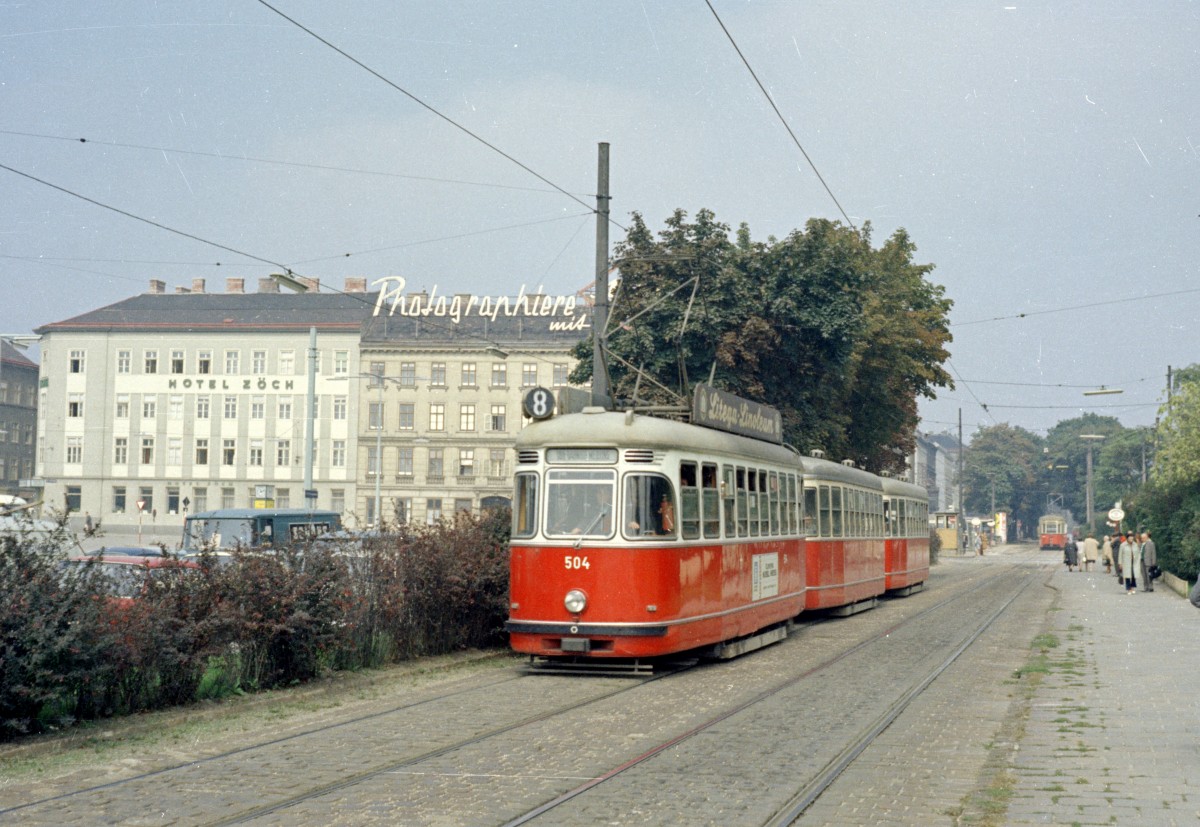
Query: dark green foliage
x: 840, y: 337
x: 69, y: 651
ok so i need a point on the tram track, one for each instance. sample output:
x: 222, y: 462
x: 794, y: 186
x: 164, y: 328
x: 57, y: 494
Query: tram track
x: 584, y: 694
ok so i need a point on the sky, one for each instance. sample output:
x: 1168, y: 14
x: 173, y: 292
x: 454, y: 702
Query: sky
x: 1044, y: 157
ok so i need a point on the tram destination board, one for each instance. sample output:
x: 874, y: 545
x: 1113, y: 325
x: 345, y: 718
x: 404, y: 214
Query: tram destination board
x: 714, y: 408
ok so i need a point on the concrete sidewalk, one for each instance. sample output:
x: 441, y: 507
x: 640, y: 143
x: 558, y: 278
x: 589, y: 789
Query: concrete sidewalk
x: 1113, y: 731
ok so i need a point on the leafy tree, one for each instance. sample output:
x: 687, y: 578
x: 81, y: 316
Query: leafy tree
x: 1066, y: 447
x: 1004, y: 459
x: 1178, y: 459
x: 838, y: 336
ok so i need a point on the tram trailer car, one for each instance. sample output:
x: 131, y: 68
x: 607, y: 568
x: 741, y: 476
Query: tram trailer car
x: 635, y: 536
x: 906, y: 547
x: 1052, y: 532
x: 707, y: 550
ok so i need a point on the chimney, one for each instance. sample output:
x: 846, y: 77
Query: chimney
x: 235, y: 285
x: 158, y: 286
x: 182, y: 290
x: 268, y: 285
x: 197, y: 285
x: 356, y: 284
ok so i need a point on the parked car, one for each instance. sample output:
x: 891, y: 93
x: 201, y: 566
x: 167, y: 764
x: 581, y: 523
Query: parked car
x: 126, y: 551
x: 126, y: 576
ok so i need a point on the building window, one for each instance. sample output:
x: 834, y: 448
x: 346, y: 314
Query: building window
x: 147, y: 450
x: 341, y: 362
x: 374, y: 460
x: 337, y: 457
x: 232, y: 359
x: 437, y: 374
x: 466, y: 462
x: 403, y: 507
x: 283, y: 498
x: 118, y: 499
x: 75, y: 449
x: 339, y: 407
x: 122, y: 406
x: 146, y: 495
x: 74, y: 498
x: 231, y: 407
x: 496, y: 463
x: 172, y: 499
x: 175, y: 451
x: 150, y: 361
x: 202, y: 407
x: 285, y: 409
x: 433, y: 510
x: 337, y: 499
x: 175, y: 407
x: 436, y: 464
x: 149, y: 407
x: 437, y: 417
x: 283, y: 452
x: 529, y: 375
x: 258, y: 407
x: 468, y: 375
x: 287, y: 362
x: 256, y: 452
x: 121, y: 450
x: 202, y: 451
x: 228, y: 451
x: 200, y: 499
x: 499, y: 419
x: 204, y: 361
x: 466, y: 418
x: 258, y: 362
x: 76, y: 361
x: 404, y: 462
x: 378, y: 371
x: 407, y: 416
x: 560, y: 375
x: 228, y: 497
x: 408, y: 374
x: 499, y: 374
x: 463, y: 504
x: 75, y: 405
x: 124, y: 361
x: 176, y: 361
x: 375, y: 416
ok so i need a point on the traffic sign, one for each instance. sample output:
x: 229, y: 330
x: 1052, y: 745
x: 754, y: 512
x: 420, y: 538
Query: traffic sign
x: 141, y: 504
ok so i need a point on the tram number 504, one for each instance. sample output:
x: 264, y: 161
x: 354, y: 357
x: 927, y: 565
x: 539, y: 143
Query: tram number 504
x: 576, y: 562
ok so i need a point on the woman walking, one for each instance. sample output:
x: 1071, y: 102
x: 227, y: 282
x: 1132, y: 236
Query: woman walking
x: 1131, y: 562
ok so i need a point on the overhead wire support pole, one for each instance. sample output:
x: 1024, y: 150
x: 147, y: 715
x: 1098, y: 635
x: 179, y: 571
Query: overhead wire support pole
x: 600, y: 389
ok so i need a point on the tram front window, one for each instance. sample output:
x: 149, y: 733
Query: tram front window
x: 580, y: 503
x: 649, y: 506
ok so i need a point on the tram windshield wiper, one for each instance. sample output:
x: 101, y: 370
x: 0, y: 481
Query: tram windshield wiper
x: 600, y: 516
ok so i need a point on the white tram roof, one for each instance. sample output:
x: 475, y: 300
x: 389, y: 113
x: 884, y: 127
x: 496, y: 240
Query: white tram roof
x: 609, y: 429
x: 899, y: 488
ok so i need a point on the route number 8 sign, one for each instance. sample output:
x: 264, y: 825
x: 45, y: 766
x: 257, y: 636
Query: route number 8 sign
x: 539, y: 404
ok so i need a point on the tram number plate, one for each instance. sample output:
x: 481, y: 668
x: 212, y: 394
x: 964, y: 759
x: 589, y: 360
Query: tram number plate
x: 576, y: 562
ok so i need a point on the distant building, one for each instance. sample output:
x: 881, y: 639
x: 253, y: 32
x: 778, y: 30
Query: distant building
x: 18, y: 423
x: 170, y: 403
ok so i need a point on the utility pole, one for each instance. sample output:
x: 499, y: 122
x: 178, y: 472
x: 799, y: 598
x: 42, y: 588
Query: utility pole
x: 962, y: 514
x: 600, y: 390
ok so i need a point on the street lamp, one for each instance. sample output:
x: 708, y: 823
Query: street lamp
x: 1091, y: 439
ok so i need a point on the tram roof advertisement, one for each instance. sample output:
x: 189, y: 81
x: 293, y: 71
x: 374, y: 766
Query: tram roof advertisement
x: 714, y: 408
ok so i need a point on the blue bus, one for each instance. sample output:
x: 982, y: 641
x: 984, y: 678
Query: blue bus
x: 256, y: 528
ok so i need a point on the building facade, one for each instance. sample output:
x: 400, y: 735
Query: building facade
x: 18, y: 422
x: 171, y: 403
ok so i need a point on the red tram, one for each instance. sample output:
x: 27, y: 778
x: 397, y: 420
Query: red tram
x: 1052, y: 531
x: 636, y: 536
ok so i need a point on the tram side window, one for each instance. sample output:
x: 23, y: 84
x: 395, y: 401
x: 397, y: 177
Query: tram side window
x: 710, y: 500
x: 837, y: 527
x: 689, y: 501
x: 649, y: 506
x: 729, y: 492
x: 812, y: 527
x: 902, y: 524
x: 525, y: 507
x: 753, y: 492
x: 743, y: 505
x: 773, y: 490
x: 791, y: 523
x: 579, y: 502
x: 826, y: 512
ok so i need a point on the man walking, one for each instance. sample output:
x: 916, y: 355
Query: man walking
x: 1149, y: 561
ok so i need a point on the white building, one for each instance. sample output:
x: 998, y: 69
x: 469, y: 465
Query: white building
x: 187, y: 401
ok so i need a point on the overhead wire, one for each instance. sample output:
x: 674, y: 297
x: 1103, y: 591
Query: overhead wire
x: 1087, y: 306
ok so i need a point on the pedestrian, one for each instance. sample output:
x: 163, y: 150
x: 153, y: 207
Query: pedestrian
x: 1070, y: 552
x: 1117, y: 539
x: 88, y: 528
x: 1106, y: 554
x: 1149, y: 561
x: 1131, y: 562
x: 1091, y: 552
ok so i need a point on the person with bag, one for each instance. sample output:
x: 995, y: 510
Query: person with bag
x: 1149, y: 562
x: 1070, y: 552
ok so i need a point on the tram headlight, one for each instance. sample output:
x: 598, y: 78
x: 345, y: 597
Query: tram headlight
x: 575, y: 601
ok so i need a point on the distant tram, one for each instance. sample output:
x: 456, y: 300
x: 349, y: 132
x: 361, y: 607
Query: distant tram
x: 636, y: 536
x: 1052, y: 531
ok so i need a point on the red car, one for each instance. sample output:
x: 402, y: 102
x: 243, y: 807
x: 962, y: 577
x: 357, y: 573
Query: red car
x: 126, y: 575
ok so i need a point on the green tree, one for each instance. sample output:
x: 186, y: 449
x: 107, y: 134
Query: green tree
x: 838, y: 336
x: 1004, y: 459
x: 1066, y: 447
